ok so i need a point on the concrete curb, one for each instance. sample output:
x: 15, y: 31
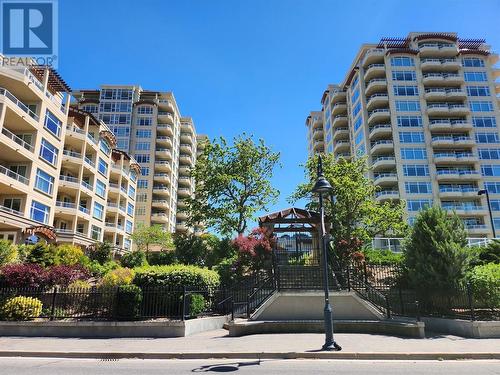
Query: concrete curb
x: 254, y: 355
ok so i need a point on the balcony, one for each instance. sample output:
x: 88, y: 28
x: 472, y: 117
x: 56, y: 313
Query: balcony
x: 88, y: 163
x: 438, y: 109
x: 186, y: 137
x: 160, y: 203
x: 340, y: 133
x: 374, y: 55
x: 114, y: 188
x: 186, y: 147
x: 454, y: 157
x: 451, y: 141
x: 383, y: 145
x: 378, y: 115
x: 438, y: 50
x: 385, y: 195
x: 13, y: 175
x: 11, y: 211
x: 19, y: 105
x: 184, y: 192
x: 185, y: 181
x: 337, y: 96
x: 161, y: 177
x: 165, y: 103
x: 186, y: 159
x: 161, y: 190
x: 72, y: 157
x: 380, y: 130
x: 16, y: 143
x: 339, y: 121
x: 75, y: 132
x: 163, y: 140
x: 457, y: 191
x: 69, y: 182
x: 440, y: 64
x: 84, y: 210
x: 341, y: 145
x: 165, y: 118
x: 459, y: 109
x: 163, y: 153
x: 377, y: 100
x: 318, y: 134
x: 339, y: 108
x: 376, y: 84
x: 477, y: 229
x: 159, y: 217
x: 374, y: 70
x: 87, y: 186
x: 383, y: 162
x: 164, y: 129
x: 385, y: 178
x: 457, y: 175
x: 449, y: 124
x: 181, y: 226
x: 465, y: 209
x: 342, y: 155
x: 163, y: 165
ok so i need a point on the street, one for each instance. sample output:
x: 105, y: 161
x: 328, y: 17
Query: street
x: 41, y: 366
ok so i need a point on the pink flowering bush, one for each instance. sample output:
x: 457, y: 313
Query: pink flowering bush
x: 254, y: 250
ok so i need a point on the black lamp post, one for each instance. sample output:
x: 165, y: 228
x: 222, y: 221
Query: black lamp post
x: 322, y: 186
x: 485, y: 192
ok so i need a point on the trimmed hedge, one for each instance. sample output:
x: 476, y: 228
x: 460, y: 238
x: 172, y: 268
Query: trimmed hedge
x: 21, y: 308
x: 176, y: 275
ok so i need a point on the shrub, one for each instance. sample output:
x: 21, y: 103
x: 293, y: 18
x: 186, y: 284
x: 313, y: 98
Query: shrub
x: 128, y: 302
x: 195, y: 305
x: 227, y: 271
x: 63, y: 275
x: 21, y: 308
x: 485, y: 282
x: 436, y: 256
x: 176, y: 276
x: 43, y: 254
x: 99, y: 270
x: 101, y: 253
x: 23, y: 251
x: 134, y: 259
x: 161, y: 258
x: 80, y: 284
x: 255, y: 249
x: 383, y: 257
x: 117, y: 277
x: 487, y: 254
x: 23, y: 276
x: 191, y: 249
x: 69, y: 255
x: 8, y: 252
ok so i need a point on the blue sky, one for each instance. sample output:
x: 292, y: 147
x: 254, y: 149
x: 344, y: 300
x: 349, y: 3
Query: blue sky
x: 255, y: 66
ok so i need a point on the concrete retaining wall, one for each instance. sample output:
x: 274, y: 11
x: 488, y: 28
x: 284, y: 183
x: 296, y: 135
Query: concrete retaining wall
x: 111, y: 329
x: 464, y: 328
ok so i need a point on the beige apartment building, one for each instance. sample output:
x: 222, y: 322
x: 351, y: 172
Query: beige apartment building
x: 149, y: 125
x: 60, y: 177
x: 424, y: 109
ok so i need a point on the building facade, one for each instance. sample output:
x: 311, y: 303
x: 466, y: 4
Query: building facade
x: 149, y: 126
x: 57, y: 166
x: 424, y: 110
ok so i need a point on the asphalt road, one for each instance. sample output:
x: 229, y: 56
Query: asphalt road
x: 36, y: 366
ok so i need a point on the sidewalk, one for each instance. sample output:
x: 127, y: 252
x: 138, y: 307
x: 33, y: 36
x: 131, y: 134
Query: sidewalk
x: 216, y: 344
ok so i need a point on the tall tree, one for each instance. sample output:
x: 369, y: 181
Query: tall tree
x: 232, y: 184
x: 144, y: 237
x: 353, y: 212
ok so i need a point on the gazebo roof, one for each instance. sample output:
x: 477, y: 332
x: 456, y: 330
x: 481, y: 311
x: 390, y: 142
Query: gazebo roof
x: 287, y: 220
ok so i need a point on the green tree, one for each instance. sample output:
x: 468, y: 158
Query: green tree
x: 155, y: 235
x: 354, y: 213
x: 232, y: 184
x: 436, y: 253
x: 8, y: 252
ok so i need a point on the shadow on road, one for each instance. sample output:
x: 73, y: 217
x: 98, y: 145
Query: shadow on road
x: 226, y: 367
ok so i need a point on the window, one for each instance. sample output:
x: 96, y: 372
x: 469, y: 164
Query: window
x: 100, y: 188
x: 127, y: 244
x: 48, y: 152
x: 104, y: 146
x: 481, y: 106
x: 115, y: 107
x: 409, y: 121
x: 130, y: 209
x: 115, y: 119
x: 360, y: 137
x: 492, y: 187
x: 122, y: 144
x: 140, y: 211
x: 142, y: 184
x: 143, y: 133
x: 402, y: 61
x: 355, y: 95
x: 407, y: 105
x: 418, y: 204
x: 484, y: 122
x: 142, y: 197
x: 490, y: 170
x: 145, y: 171
x: 414, y: 170
x: 475, y: 76
x: 361, y: 150
x: 358, y: 123
x: 95, y: 233
x: 495, y: 204
x: 356, y: 109
x: 355, y: 80
x: 328, y: 137
x: 404, y: 75
x: 478, y: 90
x: 92, y: 108
x: 411, y: 137
x: 44, y: 182
x: 98, y: 211
x: 142, y: 146
x: 405, y: 90
x: 102, y: 167
x: 144, y: 121
x: 472, y: 62
x: 145, y: 110
x: 418, y: 187
x: 52, y: 123
x: 487, y: 138
x: 12, y: 203
x: 121, y: 131
x: 117, y: 94
x: 413, y: 153
x: 39, y: 212
x: 128, y: 226
x: 131, y: 192
x: 489, y: 153
x: 142, y: 158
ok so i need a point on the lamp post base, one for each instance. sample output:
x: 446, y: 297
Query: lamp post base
x: 332, y: 347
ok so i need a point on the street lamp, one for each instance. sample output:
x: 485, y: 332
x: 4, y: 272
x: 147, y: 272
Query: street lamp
x: 322, y: 186
x: 485, y: 192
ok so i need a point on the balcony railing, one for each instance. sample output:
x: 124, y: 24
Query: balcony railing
x: 75, y: 129
x: 18, y: 140
x: 86, y: 185
x: 68, y: 179
x: 14, y: 175
x: 10, y: 210
x: 457, y: 171
x: 65, y: 204
x: 85, y: 210
x: 18, y: 103
x: 89, y: 162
